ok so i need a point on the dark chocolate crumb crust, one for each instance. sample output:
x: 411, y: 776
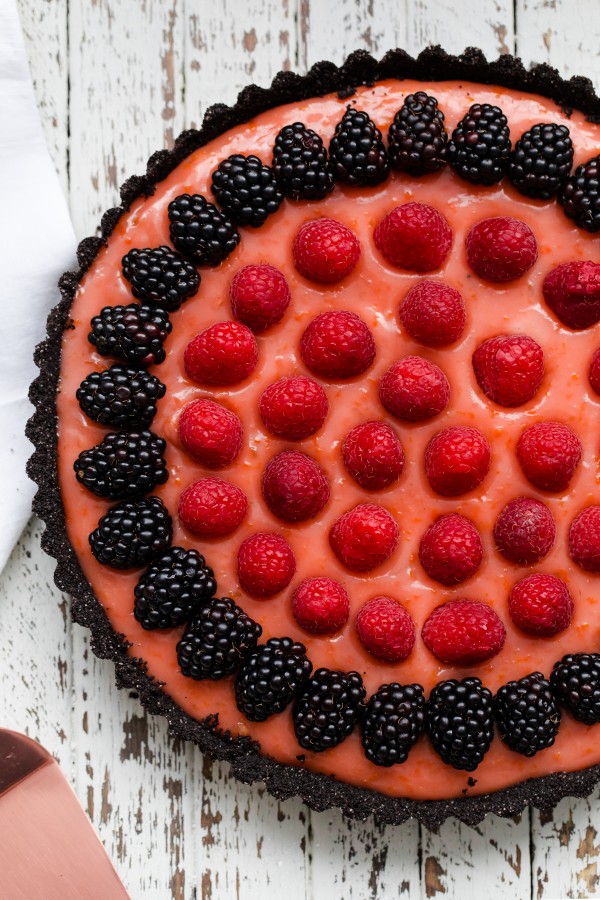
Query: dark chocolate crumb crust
x: 318, y: 791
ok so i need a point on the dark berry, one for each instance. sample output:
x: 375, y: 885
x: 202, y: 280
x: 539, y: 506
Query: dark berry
x: 121, y: 396
x: 124, y: 465
x: 327, y: 708
x: 200, y: 231
x: 460, y: 722
x: 541, y: 160
x: 270, y: 677
x: 527, y: 714
x: 480, y: 145
x: 579, y: 195
x: 172, y: 590
x: 135, y: 333
x: 132, y: 533
x: 160, y: 276
x: 417, y: 139
x: 216, y: 640
x: 246, y: 189
x: 576, y: 683
x: 357, y: 152
x: 392, y: 723
x: 300, y: 163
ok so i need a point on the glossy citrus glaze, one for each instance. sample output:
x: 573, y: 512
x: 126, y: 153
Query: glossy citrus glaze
x: 373, y: 290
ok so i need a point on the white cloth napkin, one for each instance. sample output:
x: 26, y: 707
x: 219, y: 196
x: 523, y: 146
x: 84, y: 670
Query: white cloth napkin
x: 36, y: 245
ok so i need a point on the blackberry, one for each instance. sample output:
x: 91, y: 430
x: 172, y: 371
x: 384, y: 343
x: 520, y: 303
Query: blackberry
x: 135, y: 333
x: 579, y: 195
x: 301, y: 165
x: 200, y: 231
x: 132, y: 533
x: 393, y: 722
x: 480, y: 146
x: 527, y: 714
x: 327, y: 708
x: 216, y: 640
x: 575, y: 680
x: 541, y: 160
x: 246, y: 189
x: 357, y: 152
x: 417, y: 139
x: 269, y: 678
x: 460, y: 723
x: 160, y: 276
x: 121, y: 396
x: 126, y: 464
x: 171, y: 591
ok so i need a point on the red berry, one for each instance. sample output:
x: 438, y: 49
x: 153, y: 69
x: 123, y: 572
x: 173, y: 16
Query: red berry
x: 212, y: 507
x: 595, y: 372
x: 325, y: 251
x: 509, y: 368
x: 525, y: 531
x: 293, y: 408
x: 320, y: 605
x: 584, y: 539
x: 210, y: 433
x: 549, y: 453
x: 224, y: 353
x: 457, y: 460
x: 364, y: 537
x: 386, y: 629
x: 572, y: 291
x: 337, y: 345
x: 294, y: 486
x: 414, y: 236
x: 463, y: 632
x: 541, y: 604
x: 414, y: 389
x: 433, y: 313
x: 451, y: 550
x: 373, y: 455
x: 501, y: 248
x: 266, y: 565
x: 259, y: 296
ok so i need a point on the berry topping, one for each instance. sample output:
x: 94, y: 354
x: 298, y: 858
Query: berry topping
x: 216, y: 640
x: 525, y: 531
x: 386, y: 629
x: 572, y: 291
x: 320, y: 605
x: 480, y: 145
x: 294, y: 486
x: 357, y: 152
x: 418, y: 143
x: 259, y: 296
x: 457, y: 460
x: 463, y: 632
x: 161, y: 277
x: 135, y: 333
x: 222, y: 354
x: 549, y: 453
x: 576, y: 683
x: 414, y: 389
x: 121, y: 396
x: 579, y: 195
x: 373, y: 455
x: 414, y: 236
x: 246, y: 189
x: 210, y: 433
x: 294, y: 407
x: 269, y: 678
x: 527, y: 714
x: 451, y: 550
x: 501, y: 249
x: 460, y: 723
x: 212, y: 507
x: 201, y: 231
x: 433, y: 313
x: 265, y: 564
x: 584, y: 539
x: 337, y: 344
x: 173, y: 589
x: 392, y: 723
x: 364, y: 537
x: 124, y: 465
x: 541, y: 160
x: 325, y: 251
x: 594, y: 374
x: 300, y: 163
x: 132, y: 533
x: 509, y: 368
x: 327, y: 708
x: 541, y: 604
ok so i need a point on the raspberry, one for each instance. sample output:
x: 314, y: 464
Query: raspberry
x: 594, y: 375
x: 433, y: 313
x: 463, y: 632
x: 509, y: 368
x: 210, y: 433
x: 373, y: 455
x: 386, y: 629
x: 259, y: 296
x: 549, y: 453
x: 501, y: 249
x: 364, y: 537
x: 293, y: 408
x: 212, y: 507
x: 266, y: 564
x: 572, y: 291
x: 414, y: 236
x: 325, y: 251
x: 457, y: 460
x: 414, y: 389
x: 541, y: 604
x: 294, y: 486
x: 451, y: 550
x: 320, y: 605
x: 337, y: 344
x: 584, y: 539
x: 525, y: 531
x: 222, y: 354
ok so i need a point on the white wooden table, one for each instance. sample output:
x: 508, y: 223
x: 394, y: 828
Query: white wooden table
x: 115, y: 80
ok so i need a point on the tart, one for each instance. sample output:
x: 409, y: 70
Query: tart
x: 316, y: 436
